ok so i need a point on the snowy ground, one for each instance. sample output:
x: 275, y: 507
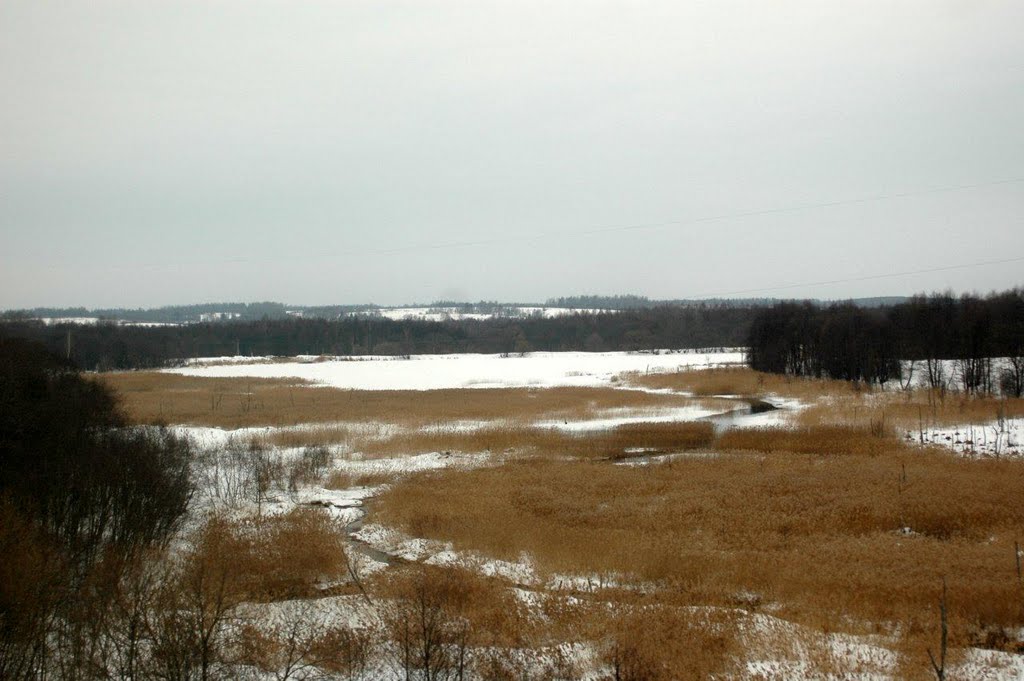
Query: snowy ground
x: 435, y: 372
x: 438, y: 314
x: 992, y: 439
x: 92, y: 321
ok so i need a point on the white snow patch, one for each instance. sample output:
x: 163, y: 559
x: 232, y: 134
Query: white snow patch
x: 400, y: 465
x: 445, y: 313
x: 349, y: 611
x: 435, y: 372
x: 993, y: 439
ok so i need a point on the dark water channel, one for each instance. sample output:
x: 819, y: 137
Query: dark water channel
x: 737, y: 417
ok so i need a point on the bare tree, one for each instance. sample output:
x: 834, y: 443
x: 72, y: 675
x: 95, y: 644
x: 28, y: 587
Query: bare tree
x: 431, y: 635
x: 940, y: 666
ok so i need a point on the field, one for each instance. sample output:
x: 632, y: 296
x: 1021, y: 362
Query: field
x: 635, y: 517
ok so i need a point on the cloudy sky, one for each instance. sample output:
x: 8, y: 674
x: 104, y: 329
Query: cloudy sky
x: 313, y: 152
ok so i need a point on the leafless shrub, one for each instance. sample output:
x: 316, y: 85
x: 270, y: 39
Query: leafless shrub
x: 430, y: 632
x: 304, y: 644
x: 309, y: 467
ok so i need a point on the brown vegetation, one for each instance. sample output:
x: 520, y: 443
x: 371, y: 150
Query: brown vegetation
x: 437, y: 614
x: 836, y: 524
x: 839, y: 402
x: 857, y: 542
x: 349, y: 479
x: 912, y: 410
x: 819, y: 440
x: 661, y: 644
x: 151, y: 397
x: 304, y: 644
x: 740, y: 381
x: 277, y: 557
x: 612, y: 443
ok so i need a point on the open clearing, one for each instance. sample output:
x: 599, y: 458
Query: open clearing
x: 663, y: 516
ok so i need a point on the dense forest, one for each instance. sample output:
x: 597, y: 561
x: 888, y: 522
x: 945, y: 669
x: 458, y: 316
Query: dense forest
x: 853, y: 343
x: 111, y: 346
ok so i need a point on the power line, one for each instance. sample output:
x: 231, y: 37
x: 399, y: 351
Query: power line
x: 869, y: 277
x: 692, y: 221
x: 606, y: 229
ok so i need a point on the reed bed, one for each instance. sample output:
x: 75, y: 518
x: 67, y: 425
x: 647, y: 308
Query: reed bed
x: 836, y: 523
x: 152, y: 397
x: 839, y: 402
x: 857, y: 543
x: 275, y: 557
x: 614, y: 443
x: 912, y: 410
x: 741, y: 381
x: 818, y: 440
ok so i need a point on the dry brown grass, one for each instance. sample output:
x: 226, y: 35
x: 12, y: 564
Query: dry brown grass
x: 277, y: 557
x: 656, y: 643
x: 600, y: 444
x: 818, y: 440
x: 819, y: 536
x: 311, y: 436
x: 349, y: 480
x: 151, y: 397
x: 912, y: 409
x: 741, y: 381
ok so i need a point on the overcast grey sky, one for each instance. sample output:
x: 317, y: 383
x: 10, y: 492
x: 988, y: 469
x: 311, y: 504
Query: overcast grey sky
x: 314, y: 152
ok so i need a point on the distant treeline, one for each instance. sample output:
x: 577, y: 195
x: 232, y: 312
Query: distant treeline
x: 218, y: 312
x: 848, y: 342
x: 631, y: 302
x: 184, y: 314
x: 110, y: 346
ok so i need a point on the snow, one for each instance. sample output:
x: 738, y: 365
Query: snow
x: 403, y: 465
x: 989, y: 665
x: 92, y: 321
x: 438, y: 314
x: 81, y: 321
x: 991, y: 439
x: 232, y: 359
x: 436, y: 372
x: 331, y: 611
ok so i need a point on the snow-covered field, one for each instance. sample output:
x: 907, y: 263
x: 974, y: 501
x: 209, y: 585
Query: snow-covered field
x: 438, y: 314
x: 435, y: 372
x: 92, y: 321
